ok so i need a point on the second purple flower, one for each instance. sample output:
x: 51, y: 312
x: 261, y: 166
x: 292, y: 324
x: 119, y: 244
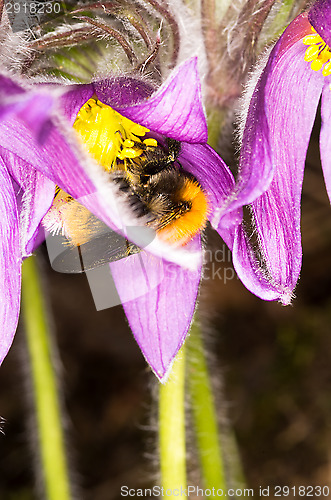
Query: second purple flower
x: 279, y: 120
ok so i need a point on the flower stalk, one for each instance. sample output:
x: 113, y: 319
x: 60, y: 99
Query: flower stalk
x: 204, y: 413
x: 46, y: 399
x: 172, y: 427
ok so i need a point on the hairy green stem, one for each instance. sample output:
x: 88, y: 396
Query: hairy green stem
x: 46, y: 400
x: 204, y: 414
x: 172, y: 427
x: 281, y: 19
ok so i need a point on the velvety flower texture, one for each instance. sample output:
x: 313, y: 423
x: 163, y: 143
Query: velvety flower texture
x: 279, y: 121
x: 39, y: 150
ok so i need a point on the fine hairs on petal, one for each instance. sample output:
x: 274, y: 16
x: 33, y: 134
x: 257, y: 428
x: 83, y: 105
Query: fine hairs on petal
x: 287, y: 298
x: 24, y: 214
x: 245, y: 99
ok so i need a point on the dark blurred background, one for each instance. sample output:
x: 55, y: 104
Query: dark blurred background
x: 274, y: 362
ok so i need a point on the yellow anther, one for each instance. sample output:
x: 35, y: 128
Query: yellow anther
x: 150, y: 142
x: 139, y: 130
x: 311, y: 53
x: 327, y: 69
x: 128, y: 143
x: 311, y: 39
x: 318, y: 53
x: 131, y: 153
x: 316, y: 65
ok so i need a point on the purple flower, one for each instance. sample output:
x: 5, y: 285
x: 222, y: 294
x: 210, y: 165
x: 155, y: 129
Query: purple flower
x: 39, y: 150
x: 281, y: 113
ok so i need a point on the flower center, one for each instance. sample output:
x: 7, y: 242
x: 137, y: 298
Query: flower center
x: 110, y: 138
x: 171, y: 200
x: 318, y: 53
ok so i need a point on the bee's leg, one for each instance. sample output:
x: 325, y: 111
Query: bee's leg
x: 174, y: 148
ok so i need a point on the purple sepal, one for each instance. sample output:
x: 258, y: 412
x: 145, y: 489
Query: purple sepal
x: 256, y: 279
x: 10, y: 262
x: 122, y: 91
x: 325, y: 138
x: 160, y: 318
x: 34, y: 197
x: 74, y: 98
x: 175, y: 110
x: 272, y: 160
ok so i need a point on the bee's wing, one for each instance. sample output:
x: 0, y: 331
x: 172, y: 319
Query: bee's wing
x: 108, y: 247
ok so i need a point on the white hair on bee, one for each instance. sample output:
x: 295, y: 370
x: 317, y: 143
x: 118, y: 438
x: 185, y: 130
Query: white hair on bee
x: 68, y: 218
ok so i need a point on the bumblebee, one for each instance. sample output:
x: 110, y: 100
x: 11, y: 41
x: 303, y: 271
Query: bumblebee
x: 147, y: 173
x: 157, y: 188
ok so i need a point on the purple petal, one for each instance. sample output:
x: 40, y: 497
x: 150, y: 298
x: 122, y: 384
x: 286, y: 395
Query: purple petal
x: 10, y: 263
x: 276, y: 138
x: 161, y: 318
x: 74, y: 98
x: 119, y: 92
x: 35, y: 113
x: 325, y: 136
x: 35, y: 196
x: 175, y: 110
x: 286, y: 85
x: 9, y: 88
x: 299, y: 28
x: 250, y: 273
x: 215, y: 177
x: 32, y: 109
x: 116, y: 92
x: 320, y: 17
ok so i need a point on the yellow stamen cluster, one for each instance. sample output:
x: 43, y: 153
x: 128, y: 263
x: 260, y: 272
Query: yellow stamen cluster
x: 318, y: 53
x: 110, y: 138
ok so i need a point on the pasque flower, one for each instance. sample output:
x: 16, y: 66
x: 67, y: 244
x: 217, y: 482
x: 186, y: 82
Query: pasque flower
x: 123, y: 122
x: 283, y: 102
